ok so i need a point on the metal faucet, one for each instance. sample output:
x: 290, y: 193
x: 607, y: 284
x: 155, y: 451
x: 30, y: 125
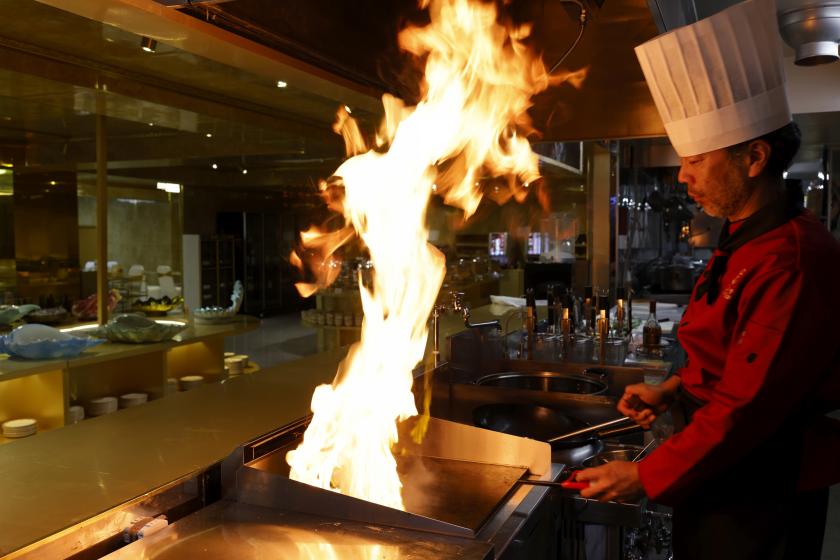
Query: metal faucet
x: 455, y: 304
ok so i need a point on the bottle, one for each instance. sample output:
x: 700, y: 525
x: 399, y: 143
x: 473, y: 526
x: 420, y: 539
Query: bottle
x: 550, y: 299
x: 652, y: 332
x: 530, y: 330
x: 586, y: 316
x: 531, y: 303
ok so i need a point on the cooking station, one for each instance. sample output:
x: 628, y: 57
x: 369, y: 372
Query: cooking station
x: 463, y: 490
x: 469, y: 492
x: 466, y: 490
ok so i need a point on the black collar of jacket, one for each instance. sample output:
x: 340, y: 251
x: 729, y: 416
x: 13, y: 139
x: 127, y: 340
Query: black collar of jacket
x: 784, y: 208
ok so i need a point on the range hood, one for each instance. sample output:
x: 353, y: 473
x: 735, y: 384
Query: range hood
x: 813, y: 31
x: 810, y: 27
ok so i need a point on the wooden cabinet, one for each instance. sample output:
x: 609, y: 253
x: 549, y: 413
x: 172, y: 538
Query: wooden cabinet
x: 337, y: 317
x: 219, y: 264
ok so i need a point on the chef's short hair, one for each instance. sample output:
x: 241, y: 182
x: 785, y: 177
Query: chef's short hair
x: 784, y: 143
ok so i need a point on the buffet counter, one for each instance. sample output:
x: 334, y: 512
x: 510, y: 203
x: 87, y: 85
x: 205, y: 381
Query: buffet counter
x: 61, y: 478
x: 45, y: 389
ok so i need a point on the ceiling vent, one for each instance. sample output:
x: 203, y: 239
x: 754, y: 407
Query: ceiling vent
x: 813, y: 31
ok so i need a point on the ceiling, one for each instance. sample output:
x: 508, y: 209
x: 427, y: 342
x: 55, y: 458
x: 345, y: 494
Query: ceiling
x: 208, y: 94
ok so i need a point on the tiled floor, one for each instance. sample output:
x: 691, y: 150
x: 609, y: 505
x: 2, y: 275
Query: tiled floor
x: 278, y: 339
x: 283, y: 338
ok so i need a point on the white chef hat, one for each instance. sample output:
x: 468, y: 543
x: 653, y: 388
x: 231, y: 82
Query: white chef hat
x: 719, y: 81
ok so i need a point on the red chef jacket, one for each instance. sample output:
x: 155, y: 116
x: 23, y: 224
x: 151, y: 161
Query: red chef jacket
x: 764, y: 357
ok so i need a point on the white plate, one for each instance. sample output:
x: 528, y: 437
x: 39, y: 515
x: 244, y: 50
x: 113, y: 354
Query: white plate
x: 20, y: 427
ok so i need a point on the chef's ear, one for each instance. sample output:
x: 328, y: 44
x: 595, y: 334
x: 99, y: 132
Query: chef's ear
x: 758, y: 154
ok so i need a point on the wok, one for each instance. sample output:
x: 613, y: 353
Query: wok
x: 547, y: 381
x: 547, y: 424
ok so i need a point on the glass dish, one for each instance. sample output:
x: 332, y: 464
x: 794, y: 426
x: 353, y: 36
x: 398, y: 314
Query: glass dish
x: 40, y: 342
x: 135, y: 329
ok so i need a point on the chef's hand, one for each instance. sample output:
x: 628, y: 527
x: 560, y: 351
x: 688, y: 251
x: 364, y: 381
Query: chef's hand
x: 643, y: 402
x: 614, y: 481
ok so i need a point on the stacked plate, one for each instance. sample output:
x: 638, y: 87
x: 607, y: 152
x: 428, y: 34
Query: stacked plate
x: 236, y: 364
x: 101, y: 406
x: 190, y: 382
x: 133, y: 399
x: 75, y: 414
x: 171, y: 386
x: 20, y: 427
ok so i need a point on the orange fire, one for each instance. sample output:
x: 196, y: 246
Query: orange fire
x: 470, y: 122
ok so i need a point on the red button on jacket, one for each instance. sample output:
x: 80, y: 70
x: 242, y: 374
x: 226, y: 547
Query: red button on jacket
x: 766, y: 352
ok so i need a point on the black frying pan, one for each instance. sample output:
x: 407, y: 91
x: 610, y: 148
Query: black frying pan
x: 547, y: 424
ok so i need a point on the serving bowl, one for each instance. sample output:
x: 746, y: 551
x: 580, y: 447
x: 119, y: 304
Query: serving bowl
x: 40, y: 342
x: 216, y: 314
x: 137, y: 329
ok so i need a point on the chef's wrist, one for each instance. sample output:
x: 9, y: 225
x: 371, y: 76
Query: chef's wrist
x: 671, y: 386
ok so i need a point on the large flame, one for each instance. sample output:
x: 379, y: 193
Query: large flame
x: 479, y: 79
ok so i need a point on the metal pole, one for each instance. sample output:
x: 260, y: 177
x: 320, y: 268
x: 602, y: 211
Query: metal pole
x: 618, y: 277
x: 827, y: 190
x: 101, y: 219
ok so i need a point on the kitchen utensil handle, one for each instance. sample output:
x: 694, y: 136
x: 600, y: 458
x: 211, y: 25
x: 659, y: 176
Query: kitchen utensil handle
x: 566, y: 484
x: 591, y: 429
x: 620, y: 431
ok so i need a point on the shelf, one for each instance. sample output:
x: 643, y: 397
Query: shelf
x: 45, y: 389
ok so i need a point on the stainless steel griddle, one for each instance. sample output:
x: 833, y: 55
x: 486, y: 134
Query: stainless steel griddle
x: 453, y: 482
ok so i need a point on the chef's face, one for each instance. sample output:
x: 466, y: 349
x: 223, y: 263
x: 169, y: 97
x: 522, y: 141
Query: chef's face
x: 717, y: 181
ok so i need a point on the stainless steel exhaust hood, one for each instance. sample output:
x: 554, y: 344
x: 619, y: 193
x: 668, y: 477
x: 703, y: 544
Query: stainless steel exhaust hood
x: 810, y: 27
x: 813, y: 31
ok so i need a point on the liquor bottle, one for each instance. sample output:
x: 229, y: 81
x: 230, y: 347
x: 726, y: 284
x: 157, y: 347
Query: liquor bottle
x: 550, y: 302
x: 619, y: 318
x: 531, y: 304
x: 530, y: 330
x: 652, y: 332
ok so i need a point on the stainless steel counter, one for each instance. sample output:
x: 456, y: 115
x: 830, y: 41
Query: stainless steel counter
x: 234, y: 530
x: 61, y: 478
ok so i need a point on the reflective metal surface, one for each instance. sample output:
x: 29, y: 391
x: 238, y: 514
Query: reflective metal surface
x: 83, y: 470
x: 233, y: 530
x: 461, y: 493
x: 453, y: 482
x: 548, y: 381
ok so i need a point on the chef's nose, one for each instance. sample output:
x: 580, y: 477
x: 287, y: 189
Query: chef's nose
x: 684, y: 176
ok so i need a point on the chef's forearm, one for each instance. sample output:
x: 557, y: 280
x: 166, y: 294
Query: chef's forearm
x: 670, y: 386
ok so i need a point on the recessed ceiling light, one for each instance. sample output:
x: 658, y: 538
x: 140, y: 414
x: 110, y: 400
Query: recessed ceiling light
x: 147, y: 44
x: 281, y: 84
x: 173, y: 188
x: 244, y: 171
x: 209, y: 135
x: 215, y: 166
x: 53, y: 183
x: 151, y: 124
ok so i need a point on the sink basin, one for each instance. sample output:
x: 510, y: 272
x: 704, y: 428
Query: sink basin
x: 547, y: 381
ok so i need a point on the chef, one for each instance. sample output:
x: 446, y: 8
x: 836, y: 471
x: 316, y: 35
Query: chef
x: 748, y: 470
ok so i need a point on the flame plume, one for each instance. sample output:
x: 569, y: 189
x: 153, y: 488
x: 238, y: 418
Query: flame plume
x: 471, y: 120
